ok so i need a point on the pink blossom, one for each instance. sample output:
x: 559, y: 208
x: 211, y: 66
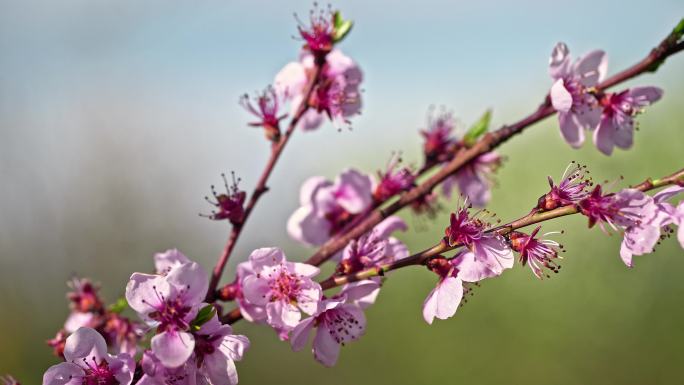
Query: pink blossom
x: 616, y: 127
x: 337, y: 321
x: 393, y: 181
x: 335, y: 96
x: 439, y: 143
x: 326, y: 207
x: 121, y: 333
x: 216, y: 350
x: 166, y: 261
x: 623, y: 209
x: 489, y: 250
x: 170, y: 303
x: 230, y: 205
x: 281, y: 288
x: 266, y: 110
x: 570, y: 190
x: 538, y: 253
x: 319, y: 35
x: 444, y: 299
x: 474, y: 180
x: 87, y: 362
x: 642, y: 237
x: 577, y: 108
x: 373, y: 249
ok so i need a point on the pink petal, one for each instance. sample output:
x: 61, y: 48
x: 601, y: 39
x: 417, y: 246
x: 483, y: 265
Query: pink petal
x: 64, y: 373
x: 559, y: 61
x: 626, y: 254
x: 256, y: 290
x: 444, y: 299
x: 220, y: 369
x: 561, y: 99
x: 471, y: 269
x: 310, y: 187
x: 304, y: 269
x: 306, y: 226
x: 494, y: 252
x: 326, y: 350
x: 667, y: 193
x: 592, y: 68
x: 300, y: 334
x: 385, y: 228
x: 309, y: 297
x: 311, y: 120
x: 192, y: 281
x: 473, y: 186
x: 570, y: 129
x: 164, y: 262
x: 234, y: 346
x: 644, y: 96
x: 282, y: 315
x: 290, y: 81
x: 266, y: 258
x: 173, y: 348
x: 84, y: 343
x: 603, y: 136
x: 143, y: 292
x: 397, y: 249
x: 354, y: 189
x: 361, y: 289
x: 77, y: 320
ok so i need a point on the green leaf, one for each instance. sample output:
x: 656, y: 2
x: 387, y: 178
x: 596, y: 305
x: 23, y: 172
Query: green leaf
x: 204, y: 315
x: 118, y: 306
x: 678, y: 31
x: 342, y: 27
x: 478, y: 129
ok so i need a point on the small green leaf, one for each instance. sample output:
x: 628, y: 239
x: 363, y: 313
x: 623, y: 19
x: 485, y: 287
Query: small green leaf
x: 678, y: 31
x: 204, y: 315
x: 342, y: 27
x: 478, y: 129
x: 118, y: 306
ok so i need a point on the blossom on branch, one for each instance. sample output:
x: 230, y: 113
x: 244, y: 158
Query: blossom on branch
x: 474, y: 179
x: 336, y: 95
x: 337, y: 320
x: 616, y: 128
x: 577, y: 108
x: 267, y: 110
x: 87, y: 362
x: 281, y: 288
x: 642, y: 237
x: 326, y: 207
x: 169, y: 303
x: 538, y: 253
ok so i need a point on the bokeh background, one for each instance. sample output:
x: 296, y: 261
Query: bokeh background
x: 116, y: 116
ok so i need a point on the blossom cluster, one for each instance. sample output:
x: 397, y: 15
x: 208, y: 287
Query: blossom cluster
x: 184, y: 337
x: 581, y: 106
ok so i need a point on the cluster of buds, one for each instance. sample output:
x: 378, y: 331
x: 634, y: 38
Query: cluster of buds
x: 88, y: 310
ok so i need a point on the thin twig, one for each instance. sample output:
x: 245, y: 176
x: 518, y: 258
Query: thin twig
x: 261, y: 186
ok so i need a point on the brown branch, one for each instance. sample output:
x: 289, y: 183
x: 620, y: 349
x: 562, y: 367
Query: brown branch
x: 261, y: 186
x: 422, y: 257
x: 488, y: 142
x: 527, y: 220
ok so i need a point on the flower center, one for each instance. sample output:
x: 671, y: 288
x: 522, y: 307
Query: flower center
x: 98, y: 374
x: 285, y: 287
x: 170, y: 314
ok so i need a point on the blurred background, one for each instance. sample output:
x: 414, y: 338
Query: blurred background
x: 116, y: 116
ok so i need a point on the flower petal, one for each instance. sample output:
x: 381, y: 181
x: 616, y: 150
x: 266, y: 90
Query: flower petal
x: 353, y: 191
x: 84, y: 343
x: 64, y: 373
x: 570, y: 129
x: 164, y: 262
x: 144, y: 292
x: 266, y: 258
x: 603, y: 136
x: 173, y: 348
x: 234, y: 346
x: 256, y: 290
x: 561, y: 99
x: 220, y: 369
x: 191, y: 280
x: 300, y: 334
x: 326, y: 350
x: 443, y: 300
